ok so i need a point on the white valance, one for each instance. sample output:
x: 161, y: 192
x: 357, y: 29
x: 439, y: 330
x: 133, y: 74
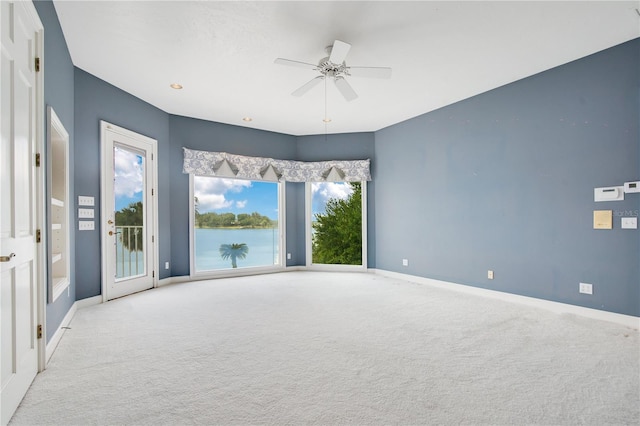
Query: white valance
x: 222, y: 164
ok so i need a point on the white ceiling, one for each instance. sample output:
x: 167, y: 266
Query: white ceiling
x: 223, y: 53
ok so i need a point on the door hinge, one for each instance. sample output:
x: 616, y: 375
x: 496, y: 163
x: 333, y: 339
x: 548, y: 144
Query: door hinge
x: 37, y: 159
x: 39, y: 331
x: 153, y: 239
x: 38, y: 236
x: 151, y: 191
x: 153, y: 274
x: 37, y: 64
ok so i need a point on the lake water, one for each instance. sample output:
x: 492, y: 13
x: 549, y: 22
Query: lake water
x: 262, y: 243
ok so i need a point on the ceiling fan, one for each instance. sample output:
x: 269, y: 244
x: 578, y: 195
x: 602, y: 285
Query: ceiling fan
x: 334, y: 66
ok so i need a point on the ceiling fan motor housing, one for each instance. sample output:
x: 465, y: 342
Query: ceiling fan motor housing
x: 328, y: 68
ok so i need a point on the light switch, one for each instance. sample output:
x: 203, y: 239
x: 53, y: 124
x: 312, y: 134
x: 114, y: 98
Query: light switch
x: 629, y: 223
x: 86, y: 225
x: 85, y: 213
x: 85, y: 200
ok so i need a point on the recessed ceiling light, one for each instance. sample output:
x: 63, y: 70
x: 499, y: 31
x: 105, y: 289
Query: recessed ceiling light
x: 247, y: 119
x: 326, y: 120
x: 175, y: 86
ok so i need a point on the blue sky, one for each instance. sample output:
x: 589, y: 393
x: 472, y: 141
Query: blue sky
x: 128, y: 182
x: 222, y: 195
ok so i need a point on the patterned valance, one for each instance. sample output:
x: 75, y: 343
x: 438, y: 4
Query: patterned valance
x: 222, y: 164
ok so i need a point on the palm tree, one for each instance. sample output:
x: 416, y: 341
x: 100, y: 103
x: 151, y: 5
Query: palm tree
x: 233, y: 252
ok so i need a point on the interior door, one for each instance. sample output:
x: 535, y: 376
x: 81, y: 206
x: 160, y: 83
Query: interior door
x: 19, y: 295
x: 128, y: 212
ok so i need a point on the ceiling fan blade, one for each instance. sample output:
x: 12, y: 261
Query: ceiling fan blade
x: 308, y: 86
x: 291, y: 63
x: 339, y: 51
x: 370, y: 72
x: 345, y: 88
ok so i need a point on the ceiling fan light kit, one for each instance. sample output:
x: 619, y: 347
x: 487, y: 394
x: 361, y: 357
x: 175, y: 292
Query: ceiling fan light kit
x: 335, y: 67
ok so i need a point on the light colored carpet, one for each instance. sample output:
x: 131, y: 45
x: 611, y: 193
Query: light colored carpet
x: 333, y: 348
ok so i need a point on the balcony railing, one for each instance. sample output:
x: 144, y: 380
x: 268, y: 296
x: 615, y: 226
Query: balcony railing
x: 129, y: 251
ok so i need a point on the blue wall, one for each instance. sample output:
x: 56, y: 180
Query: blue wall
x: 501, y: 181
x: 504, y: 181
x: 58, y: 93
x: 97, y: 100
x: 209, y: 136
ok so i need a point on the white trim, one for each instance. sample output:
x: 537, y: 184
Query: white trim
x: 364, y: 188
x: 89, y: 301
x: 308, y: 213
x: 152, y: 148
x: 59, y: 285
x: 52, y: 344
x: 41, y: 196
x: 557, y: 307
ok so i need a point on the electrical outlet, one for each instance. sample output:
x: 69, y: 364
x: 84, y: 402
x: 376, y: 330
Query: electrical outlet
x: 405, y: 262
x: 166, y: 265
x: 490, y: 274
x: 586, y: 288
x: 288, y: 256
x: 86, y: 225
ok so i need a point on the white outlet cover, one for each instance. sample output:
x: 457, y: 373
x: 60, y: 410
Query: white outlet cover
x: 405, y: 262
x: 629, y: 223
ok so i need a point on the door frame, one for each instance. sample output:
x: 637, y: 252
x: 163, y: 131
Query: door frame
x: 104, y: 215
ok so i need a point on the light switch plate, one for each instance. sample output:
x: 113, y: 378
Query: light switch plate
x: 86, y: 225
x: 85, y: 200
x: 85, y: 213
x: 629, y: 222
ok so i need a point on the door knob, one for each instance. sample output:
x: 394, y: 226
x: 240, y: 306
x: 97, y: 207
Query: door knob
x: 7, y: 258
x: 110, y: 222
x: 110, y: 233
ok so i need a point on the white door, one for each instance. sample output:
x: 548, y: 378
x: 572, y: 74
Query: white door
x: 128, y: 212
x: 19, y: 293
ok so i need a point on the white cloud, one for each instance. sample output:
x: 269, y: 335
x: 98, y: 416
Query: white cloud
x: 241, y: 204
x: 211, y: 192
x: 128, y: 171
x: 325, y: 190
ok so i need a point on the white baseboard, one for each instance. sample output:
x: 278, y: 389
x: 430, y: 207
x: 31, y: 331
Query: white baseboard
x: 57, y: 336
x: 557, y: 307
x: 89, y: 301
x: 187, y: 278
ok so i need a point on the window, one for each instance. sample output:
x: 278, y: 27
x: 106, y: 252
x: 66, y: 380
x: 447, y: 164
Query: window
x: 235, y: 224
x: 336, y: 223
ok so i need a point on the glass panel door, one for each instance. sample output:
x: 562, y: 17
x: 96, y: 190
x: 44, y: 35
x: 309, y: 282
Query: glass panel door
x: 129, y: 201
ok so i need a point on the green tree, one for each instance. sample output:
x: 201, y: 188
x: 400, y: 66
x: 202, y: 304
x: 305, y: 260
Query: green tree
x: 127, y: 217
x: 233, y: 252
x: 337, y: 237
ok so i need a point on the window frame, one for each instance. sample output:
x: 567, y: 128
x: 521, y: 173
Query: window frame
x: 243, y: 271
x: 308, y: 234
